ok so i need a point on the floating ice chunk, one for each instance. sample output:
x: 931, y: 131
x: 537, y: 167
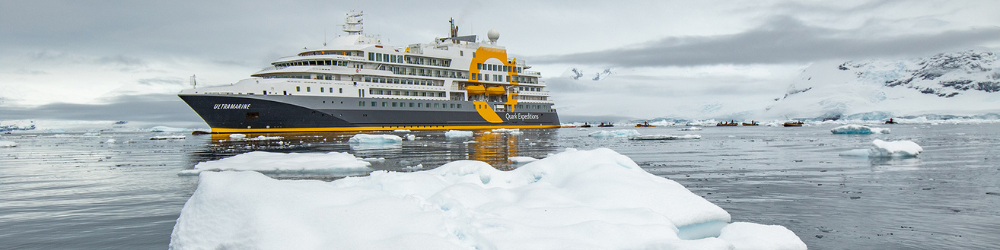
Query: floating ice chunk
x: 380, y: 159
x: 401, y: 131
x: 690, y: 129
x: 570, y: 200
x: 615, y: 133
x: 237, y: 136
x: 664, y: 137
x: 410, y: 137
x: 749, y: 236
x: 521, y: 159
x: 857, y: 153
x: 899, y: 149
x: 457, y: 133
x: 110, y: 141
x: 166, y: 129
x: 168, y: 137
x: 374, y: 139
x: 7, y: 144
x: 414, y: 168
x: 269, y: 162
x: 92, y: 134
x: 858, y: 130
x: 512, y: 131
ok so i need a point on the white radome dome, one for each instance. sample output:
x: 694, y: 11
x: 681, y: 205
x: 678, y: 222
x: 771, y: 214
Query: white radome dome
x: 493, y: 35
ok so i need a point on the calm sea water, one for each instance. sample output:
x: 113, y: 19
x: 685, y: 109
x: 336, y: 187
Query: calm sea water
x: 70, y: 191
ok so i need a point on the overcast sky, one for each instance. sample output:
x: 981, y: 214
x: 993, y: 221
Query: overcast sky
x: 61, y: 59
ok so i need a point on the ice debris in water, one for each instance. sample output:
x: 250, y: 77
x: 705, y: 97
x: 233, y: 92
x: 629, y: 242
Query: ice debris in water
x: 690, y: 129
x: 401, y: 131
x: 512, y: 131
x: 237, y: 136
x: 168, y: 137
x: 7, y: 144
x: 858, y: 130
x: 596, y: 199
x: 269, y: 162
x: 895, y: 148
x: 615, y: 133
x: 110, y: 141
x: 457, y: 133
x: 521, y: 159
x: 374, y: 139
x: 664, y: 137
x: 887, y: 149
x: 410, y: 137
x: 166, y: 129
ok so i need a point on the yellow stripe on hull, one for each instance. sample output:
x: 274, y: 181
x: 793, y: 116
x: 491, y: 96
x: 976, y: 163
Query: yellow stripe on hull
x: 381, y: 128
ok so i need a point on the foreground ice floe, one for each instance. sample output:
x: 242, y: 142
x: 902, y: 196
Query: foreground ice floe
x: 664, y: 137
x: 521, y: 159
x: 595, y: 199
x: 457, y: 134
x: 374, y: 139
x: 858, y: 130
x: 269, y: 162
x: 512, y: 131
x: 615, y: 133
x: 7, y: 144
x: 887, y: 149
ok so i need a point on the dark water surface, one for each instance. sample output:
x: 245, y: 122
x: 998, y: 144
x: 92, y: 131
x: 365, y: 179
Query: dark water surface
x: 70, y: 191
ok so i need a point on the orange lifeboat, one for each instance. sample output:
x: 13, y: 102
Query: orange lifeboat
x: 495, y: 91
x: 476, y: 89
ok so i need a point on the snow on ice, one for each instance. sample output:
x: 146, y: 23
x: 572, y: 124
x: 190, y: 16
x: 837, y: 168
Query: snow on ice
x: 615, y: 133
x: 595, y: 199
x: 858, y: 130
x: 521, y: 159
x: 7, y: 144
x: 457, y: 133
x: 887, y: 149
x: 269, y: 162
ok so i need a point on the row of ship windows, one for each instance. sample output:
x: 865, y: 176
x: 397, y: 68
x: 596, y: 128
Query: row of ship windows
x: 404, y: 81
x: 425, y: 72
x: 494, y: 67
x: 412, y: 105
x: 500, y: 78
x: 311, y: 63
x: 405, y: 93
x: 536, y: 98
x: 525, y: 106
x: 303, y: 76
x: 379, y: 57
x: 321, y: 89
x: 529, y: 89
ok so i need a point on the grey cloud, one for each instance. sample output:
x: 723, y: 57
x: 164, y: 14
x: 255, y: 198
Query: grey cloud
x: 160, y: 81
x: 782, y: 40
x: 149, y: 108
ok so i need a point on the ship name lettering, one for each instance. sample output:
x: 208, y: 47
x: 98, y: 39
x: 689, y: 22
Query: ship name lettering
x: 232, y: 106
x: 520, y: 116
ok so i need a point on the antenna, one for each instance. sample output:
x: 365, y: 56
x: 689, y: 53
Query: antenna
x: 194, y: 83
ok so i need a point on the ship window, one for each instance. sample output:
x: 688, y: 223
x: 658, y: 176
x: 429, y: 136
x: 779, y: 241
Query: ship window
x: 427, y: 105
x: 385, y: 57
x: 371, y: 56
x: 461, y: 53
x: 452, y: 105
x: 298, y: 89
x: 420, y: 105
x: 308, y: 89
x: 321, y: 89
x: 395, y: 92
x: 392, y: 59
x: 437, y: 105
x: 399, y: 59
x: 411, y: 104
x: 459, y: 105
x: 374, y: 104
x: 384, y: 104
x: 393, y: 104
x: 361, y: 103
x: 479, y: 66
x: 341, y: 90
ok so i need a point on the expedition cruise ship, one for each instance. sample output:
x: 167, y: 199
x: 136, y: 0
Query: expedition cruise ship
x: 355, y: 83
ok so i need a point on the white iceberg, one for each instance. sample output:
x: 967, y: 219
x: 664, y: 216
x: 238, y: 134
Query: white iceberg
x: 7, y: 144
x: 664, y: 137
x: 858, y: 130
x: 374, y: 139
x: 237, y: 136
x: 615, y: 133
x: 594, y: 199
x: 457, y: 133
x: 899, y: 149
x: 110, y: 141
x: 521, y: 159
x: 401, y: 131
x: 269, y: 162
x: 411, y: 137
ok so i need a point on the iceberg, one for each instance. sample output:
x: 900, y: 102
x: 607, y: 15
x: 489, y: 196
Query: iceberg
x: 615, y: 133
x: 594, y: 199
x: 858, y: 130
x: 269, y: 162
x: 374, y: 139
x: 457, y: 134
x: 664, y: 137
x: 900, y: 149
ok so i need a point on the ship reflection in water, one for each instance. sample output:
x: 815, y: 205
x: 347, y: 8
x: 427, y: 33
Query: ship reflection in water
x: 427, y: 150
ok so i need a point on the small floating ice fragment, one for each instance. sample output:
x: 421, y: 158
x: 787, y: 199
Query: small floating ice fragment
x: 521, y: 159
x: 664, y: 137
x: 615, y: 133
x: 168, y: 137
x: 457, y: 133
x: 858, y: 130
x: 237, y: 136
x: 7, y: 144
x: 374, y: 139
x: 900, y: 149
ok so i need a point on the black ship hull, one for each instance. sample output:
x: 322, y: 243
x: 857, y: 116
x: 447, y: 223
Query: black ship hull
x: 286, y: 113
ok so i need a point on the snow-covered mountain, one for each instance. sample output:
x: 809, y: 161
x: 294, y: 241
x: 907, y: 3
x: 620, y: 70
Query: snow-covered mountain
x: 960, y: 84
